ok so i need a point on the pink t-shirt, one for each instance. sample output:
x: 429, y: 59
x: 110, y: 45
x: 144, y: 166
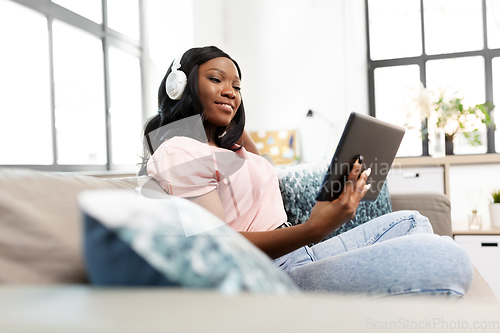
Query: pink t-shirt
x: 247, y: 184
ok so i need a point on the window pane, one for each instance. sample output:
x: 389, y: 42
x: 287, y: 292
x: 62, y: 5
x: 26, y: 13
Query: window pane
x: 123, y: 16
x: 79, y: 96
x: 387, y: 41
x: 395, y: 89
x: 25, y: 116
x: 496, y: 100
x: 463, y: 77
x: 91, y: 9
x: 126, y: 119
x: 453, y: 26
x: 493, y: 19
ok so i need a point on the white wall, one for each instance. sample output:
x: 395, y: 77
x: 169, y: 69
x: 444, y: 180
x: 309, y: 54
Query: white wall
x: 295, y: 55
x: 471, y: 187
x: 168, y: 30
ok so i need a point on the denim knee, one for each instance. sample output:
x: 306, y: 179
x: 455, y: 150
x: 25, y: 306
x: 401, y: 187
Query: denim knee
x: 400, y: 223
x: 420, y: 223
x: 424, y: 264
x: 452, y: 267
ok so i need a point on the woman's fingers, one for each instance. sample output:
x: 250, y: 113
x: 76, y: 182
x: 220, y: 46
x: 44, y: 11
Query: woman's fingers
x: 361, y: 186
x: 352, y: 178
x: 331, y: 215
x: 355, y: 172
x: 356, y: 186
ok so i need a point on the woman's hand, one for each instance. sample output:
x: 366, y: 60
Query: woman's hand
x: 248, y: 143
x: 327, y: 216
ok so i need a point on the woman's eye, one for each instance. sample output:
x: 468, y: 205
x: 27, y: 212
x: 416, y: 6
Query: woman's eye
x: 214, y: 79
x: 237, y: 88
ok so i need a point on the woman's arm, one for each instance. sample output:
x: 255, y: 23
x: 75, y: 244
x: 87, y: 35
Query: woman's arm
x: 325, y: 218
x: 211, y: 202
x: 248, y: 143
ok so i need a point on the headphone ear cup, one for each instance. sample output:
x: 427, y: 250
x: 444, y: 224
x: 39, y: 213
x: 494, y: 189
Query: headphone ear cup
x: 175, y: 85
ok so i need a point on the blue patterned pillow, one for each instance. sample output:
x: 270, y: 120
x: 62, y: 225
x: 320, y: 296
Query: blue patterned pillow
x: 131, y: 240
x: 299, y: 186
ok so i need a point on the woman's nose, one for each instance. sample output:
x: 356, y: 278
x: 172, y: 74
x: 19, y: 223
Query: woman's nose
x: 228, y: 91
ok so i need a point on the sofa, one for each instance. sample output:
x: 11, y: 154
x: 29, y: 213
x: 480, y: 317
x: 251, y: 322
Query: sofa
x: 45, y: 286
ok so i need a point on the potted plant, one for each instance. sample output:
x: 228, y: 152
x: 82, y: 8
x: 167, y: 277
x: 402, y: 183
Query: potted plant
x: 495, y: 209
x: 442, y: 117
x: 453, y: 117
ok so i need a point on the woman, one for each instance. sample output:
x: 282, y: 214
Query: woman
x: 214, y: 163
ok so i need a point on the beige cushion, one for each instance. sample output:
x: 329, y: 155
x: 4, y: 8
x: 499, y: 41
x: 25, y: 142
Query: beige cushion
x: 435, y: 206
x: 480, y: 290
x: 40, y: 238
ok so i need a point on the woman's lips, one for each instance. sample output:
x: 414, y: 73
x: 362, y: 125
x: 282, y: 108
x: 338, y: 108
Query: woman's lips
x: 225, y: 107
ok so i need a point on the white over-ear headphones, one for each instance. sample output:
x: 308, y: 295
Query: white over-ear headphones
x: 176, y: 80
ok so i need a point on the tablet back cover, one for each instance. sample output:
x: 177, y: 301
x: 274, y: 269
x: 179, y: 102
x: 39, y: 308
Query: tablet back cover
x: 377, y: 141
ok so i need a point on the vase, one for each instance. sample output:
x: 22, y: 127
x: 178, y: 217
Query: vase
x: 437, y: 142
x: 448, y: 144
x: 495, y: 215
x: 475, y: 221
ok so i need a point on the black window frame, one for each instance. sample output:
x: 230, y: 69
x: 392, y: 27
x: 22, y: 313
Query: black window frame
x: 487, y: 54
x: 108, y: 38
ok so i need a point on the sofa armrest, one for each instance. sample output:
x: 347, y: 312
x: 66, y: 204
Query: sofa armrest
x: 435, y: 206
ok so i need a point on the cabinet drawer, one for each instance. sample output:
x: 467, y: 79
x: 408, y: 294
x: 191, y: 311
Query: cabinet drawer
x: 411, y: 180
x: 479, y: 241
x: 484, y: 251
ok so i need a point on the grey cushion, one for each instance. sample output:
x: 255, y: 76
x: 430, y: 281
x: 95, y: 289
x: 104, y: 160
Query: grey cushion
x: 435, y: 206
x: 299, y: 186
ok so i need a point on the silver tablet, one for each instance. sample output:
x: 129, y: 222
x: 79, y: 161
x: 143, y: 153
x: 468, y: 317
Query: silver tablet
x: 378, y: 143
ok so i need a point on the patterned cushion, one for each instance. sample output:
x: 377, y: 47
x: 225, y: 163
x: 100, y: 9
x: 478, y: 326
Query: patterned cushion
x: 132, y: 240
x: 299, y: 186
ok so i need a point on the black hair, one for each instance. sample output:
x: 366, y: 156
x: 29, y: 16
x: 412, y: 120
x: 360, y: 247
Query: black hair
x: 170, y: 111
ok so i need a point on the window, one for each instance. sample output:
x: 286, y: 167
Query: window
x: 496, y: 96
x: 91, y: 9
x: 72, y: 73
x: 25, y: 66
x: 79, y: 96
x: 125, y: 101
x: 392, y: 84
x: 425, y: 42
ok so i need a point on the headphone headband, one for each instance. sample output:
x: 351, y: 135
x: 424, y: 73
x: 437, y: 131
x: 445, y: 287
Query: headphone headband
x: 177, y: 62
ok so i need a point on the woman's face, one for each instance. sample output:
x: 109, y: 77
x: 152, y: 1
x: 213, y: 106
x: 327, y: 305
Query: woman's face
x: 219, y: 90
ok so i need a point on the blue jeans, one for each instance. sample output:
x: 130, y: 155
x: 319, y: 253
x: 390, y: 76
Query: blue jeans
x: 395, y: 254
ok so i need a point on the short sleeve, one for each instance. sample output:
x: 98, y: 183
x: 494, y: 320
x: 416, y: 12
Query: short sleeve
x: 184, y: 167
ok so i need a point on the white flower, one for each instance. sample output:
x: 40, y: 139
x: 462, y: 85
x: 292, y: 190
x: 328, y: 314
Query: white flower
x: 423, y: 101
